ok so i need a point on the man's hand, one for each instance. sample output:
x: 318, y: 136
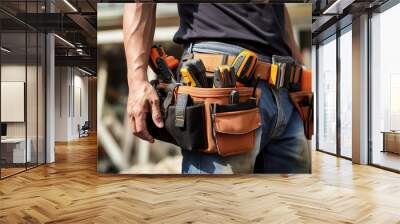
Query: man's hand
x: 138, y: 25
x: 143, y: 99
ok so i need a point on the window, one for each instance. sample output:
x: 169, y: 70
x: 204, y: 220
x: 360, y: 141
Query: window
x: 346, y: 93
x: 385, y: 89
x: 327, y: 96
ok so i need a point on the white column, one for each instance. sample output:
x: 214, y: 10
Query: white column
x: 50, y: 110
x: 50, y: 92
x: 360, y: 90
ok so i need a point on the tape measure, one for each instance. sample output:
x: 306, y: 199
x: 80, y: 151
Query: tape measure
x: 244, y: 65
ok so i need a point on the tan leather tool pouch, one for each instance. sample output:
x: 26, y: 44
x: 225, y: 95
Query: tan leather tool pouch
x: 234, y: 131
x: 304, y: 103
x: 230, y: 128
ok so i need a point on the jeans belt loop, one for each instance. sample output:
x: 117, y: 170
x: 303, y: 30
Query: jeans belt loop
x: 189, y: 54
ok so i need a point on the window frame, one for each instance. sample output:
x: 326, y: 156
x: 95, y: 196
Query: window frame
x: 347, y: 27
x: 29, y: 29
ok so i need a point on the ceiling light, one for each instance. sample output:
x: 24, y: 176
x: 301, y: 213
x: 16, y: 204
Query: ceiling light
x: 5, y: 50
x: 65, y: 41
x: 70, y: 5
x: 84, y: 71
x: 80, y: 51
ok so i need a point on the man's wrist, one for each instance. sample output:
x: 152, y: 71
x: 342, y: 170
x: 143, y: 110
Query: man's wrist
x: 136, y: 77
x: 137, y: 82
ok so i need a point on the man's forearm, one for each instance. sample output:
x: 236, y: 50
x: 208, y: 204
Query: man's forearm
x: 292, y: 43
x: 138, y: 31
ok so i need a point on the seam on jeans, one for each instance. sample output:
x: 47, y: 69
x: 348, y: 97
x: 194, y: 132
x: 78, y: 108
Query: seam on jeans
x: 218, y: 46
x: 200, y: 162
x: 209, y: 51
x: 267, y: 135
x: 278, y: 120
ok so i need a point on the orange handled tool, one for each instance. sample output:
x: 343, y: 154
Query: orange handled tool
x: 162, y: 64
x: 157, y: 51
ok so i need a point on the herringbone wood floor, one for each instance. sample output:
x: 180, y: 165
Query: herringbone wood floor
x: 70, y: 191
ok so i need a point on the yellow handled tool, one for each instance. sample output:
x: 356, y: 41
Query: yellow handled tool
x: 273, y: 75
x: 224, y: 77
x: 193, y: 73
x: 244, y: 65
x: 187, y: 78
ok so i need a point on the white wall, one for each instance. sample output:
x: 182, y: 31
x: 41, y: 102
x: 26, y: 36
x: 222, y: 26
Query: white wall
x: 79, y: 112
x: 81, y: 83
x: 71, y: 94
x: 33, y: 126
x: 61, y: 103
x: 11, y: 73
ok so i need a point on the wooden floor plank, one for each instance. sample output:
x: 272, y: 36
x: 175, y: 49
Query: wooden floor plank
x: 70, y: 191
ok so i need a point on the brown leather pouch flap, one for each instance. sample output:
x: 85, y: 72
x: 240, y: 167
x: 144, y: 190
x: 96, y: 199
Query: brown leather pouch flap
x: 235, y: 131
x: 304, y: 103
x: 237, y: 122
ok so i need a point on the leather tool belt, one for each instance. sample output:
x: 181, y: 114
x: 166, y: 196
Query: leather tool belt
x: 297, y: 80
x: 285, y: 76
x: 211, y: 61
x: 205, y: 119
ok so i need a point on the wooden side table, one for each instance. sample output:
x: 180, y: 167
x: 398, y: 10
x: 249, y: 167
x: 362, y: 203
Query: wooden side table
x: 391, y: 141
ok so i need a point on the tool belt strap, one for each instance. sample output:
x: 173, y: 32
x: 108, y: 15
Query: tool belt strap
x: 211, y: 61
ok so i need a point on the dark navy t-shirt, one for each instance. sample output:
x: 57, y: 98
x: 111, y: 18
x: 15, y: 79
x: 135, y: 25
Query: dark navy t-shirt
x: 258, y: 27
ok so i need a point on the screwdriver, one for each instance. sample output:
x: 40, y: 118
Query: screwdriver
x: 193, y: 73
x: 224, y: 76
x: 187, y: 78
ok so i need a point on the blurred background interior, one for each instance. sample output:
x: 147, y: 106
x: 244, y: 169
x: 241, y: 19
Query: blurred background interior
x: 119, y: 150
x: 48, y: 79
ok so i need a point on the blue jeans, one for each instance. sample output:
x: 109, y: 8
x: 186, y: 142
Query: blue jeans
x: 281, y: 146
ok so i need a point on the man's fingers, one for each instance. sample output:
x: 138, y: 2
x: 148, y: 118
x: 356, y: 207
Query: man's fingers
x: 132, y: 125
x: 156, y: 114
x: 141, y: 134
x: 141, y: 128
